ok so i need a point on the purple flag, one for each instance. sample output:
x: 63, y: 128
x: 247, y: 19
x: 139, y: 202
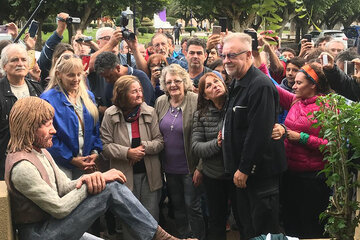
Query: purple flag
x: 162, y: 15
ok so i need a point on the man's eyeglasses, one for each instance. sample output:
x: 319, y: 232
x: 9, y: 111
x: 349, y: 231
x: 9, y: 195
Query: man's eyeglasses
x: 232, y: 55
x: 106, y: 38
x: 176, y: 82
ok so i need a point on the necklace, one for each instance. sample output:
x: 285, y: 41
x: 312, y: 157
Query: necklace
x: 175, y: 113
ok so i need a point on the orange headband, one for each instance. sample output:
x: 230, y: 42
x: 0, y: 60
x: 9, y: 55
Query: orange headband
x: 310, y: 73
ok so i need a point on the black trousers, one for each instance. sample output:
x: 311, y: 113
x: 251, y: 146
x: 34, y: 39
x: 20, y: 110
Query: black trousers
x: 304, y: 196
x: 218, y: 192
x: 258, y: 206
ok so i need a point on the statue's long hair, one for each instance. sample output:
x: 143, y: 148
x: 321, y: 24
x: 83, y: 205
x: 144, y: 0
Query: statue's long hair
x: 26, y: 116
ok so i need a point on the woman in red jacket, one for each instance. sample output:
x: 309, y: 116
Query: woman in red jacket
x: 305, y: 194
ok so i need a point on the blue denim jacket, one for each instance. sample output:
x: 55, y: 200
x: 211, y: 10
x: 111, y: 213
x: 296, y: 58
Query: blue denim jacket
x: 65, y: 141
x: 183, y: 63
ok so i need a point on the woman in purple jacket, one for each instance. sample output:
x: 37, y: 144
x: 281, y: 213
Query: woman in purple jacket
x: 304, y: 194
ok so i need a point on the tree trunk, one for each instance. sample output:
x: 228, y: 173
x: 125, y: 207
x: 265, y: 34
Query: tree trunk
x: 240, y: 23
x: 38, y: 44
x: 85, y: 16
x: 298, y: 30
x: 258, y: 23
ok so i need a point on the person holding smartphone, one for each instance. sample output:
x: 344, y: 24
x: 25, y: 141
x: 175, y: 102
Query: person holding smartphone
x: 45, y: 59
x: 277, y: 67
x: 340, y: 82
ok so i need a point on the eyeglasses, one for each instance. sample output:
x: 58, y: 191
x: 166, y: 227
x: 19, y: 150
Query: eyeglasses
x: 106, y: 38
x: 176, y: 82
x: 232, y: 55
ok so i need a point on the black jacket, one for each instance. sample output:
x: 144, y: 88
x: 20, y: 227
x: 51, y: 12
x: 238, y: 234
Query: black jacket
x: 251, y: 113
x: 343, y: 84
x: 7, y: 100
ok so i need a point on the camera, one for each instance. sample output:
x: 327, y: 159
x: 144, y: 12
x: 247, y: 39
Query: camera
x: 160, y: 67
x: 85, y: 39
x: 69, y: 20
x: 124, y: 21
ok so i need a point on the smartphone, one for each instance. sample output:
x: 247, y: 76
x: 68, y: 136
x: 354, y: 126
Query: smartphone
x: 349, y: 68
x: 325, y: 60
x: 253, y: 36
x: 223, y: 23
x: 307, y: 37
x: 34, y: 25
x: 3, y: 29
x: 85, y: 61
x: 216, y: 30
x: 32, y: 60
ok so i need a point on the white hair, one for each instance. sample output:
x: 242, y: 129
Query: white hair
x: 101, y: 30
x: 327, y: 45
x: 5, y: 53
x: 242, y: 37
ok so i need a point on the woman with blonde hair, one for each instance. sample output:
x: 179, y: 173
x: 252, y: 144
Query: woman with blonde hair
x: 175, y: 110
x: 76, y: 143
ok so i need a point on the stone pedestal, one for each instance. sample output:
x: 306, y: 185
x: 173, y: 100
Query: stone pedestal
x: 6, y: 231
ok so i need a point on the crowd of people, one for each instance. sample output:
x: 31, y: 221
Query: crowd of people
x: 112, y: 127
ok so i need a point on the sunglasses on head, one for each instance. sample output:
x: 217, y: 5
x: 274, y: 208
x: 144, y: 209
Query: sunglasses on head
x: 68, y: 56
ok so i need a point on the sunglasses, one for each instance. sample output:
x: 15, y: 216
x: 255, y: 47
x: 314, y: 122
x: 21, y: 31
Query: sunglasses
x: 232, y: 55
x: 66, y: 56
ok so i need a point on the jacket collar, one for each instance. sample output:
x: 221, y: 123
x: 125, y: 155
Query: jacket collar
x: 144, y: 110
x: 309, y: 100
x: 9, y: 93
x: 245, y: 80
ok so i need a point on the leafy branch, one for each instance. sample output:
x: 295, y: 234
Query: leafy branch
x: 339, y: 123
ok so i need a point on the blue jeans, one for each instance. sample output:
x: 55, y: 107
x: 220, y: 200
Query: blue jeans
x: 187, y: 206
x: 116, y: 197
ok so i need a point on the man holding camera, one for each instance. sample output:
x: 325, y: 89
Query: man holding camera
x: 47, y: 51
x: 107, y: 40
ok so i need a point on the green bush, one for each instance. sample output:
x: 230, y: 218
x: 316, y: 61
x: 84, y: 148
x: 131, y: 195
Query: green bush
x: 143, y: 30
x: 93, y: 25
x: 171, y: 20
x: 49, y: 27
x: 146, y: 22
x: 137, y: 21
x: 151, y: 29
x: 190, y: 29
